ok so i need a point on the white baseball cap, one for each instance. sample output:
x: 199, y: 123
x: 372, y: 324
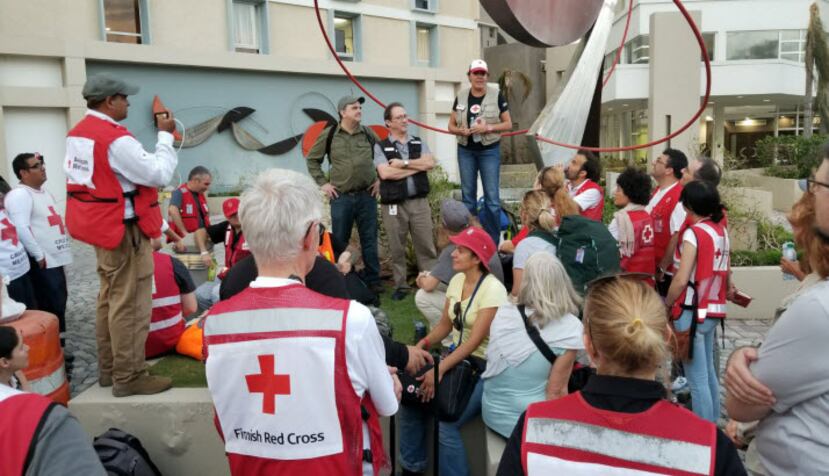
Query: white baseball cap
x: 478, y: 65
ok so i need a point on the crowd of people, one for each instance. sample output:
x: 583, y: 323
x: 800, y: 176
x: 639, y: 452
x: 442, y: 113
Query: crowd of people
x: 566, y: 349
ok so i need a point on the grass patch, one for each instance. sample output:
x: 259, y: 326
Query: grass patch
x: 185, y: 371
x: 402, y: 315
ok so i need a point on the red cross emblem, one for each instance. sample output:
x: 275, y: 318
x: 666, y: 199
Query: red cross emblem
x: 9, y: 232
x: 268, y: 384
x: 718, y: 253
x: 647, y: 234
x: 55, y: 220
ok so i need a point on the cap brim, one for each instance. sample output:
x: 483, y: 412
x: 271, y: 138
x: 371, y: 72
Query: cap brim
x: 475, y: 70
x: 130, y: 90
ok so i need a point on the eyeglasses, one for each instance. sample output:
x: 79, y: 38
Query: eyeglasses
x: 814, y: 184
x: 37, y: 165
x: 321, y: 230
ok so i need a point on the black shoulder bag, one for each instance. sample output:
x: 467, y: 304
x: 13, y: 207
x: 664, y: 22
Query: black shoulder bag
x: 579, y: 375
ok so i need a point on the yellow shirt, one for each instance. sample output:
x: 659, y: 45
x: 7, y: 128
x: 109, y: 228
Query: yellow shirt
x: 491, y: 294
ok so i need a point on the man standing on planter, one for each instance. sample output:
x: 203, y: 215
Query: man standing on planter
x: 402, y: 162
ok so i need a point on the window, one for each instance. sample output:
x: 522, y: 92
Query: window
x: 246, y: 27
x: 746, y: 45
x: 425, y: 49
x: 709, y: 45
x: 344, y: 37
x: 430, y: 6
x: 608, y: 60
x: 793, y: 45
x: 122, y: 21
x: 637, y: 50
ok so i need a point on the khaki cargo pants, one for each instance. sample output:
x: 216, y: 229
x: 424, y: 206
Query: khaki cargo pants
x: 124, y: 306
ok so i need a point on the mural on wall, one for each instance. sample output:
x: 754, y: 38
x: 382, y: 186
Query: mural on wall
x: 197, y: 134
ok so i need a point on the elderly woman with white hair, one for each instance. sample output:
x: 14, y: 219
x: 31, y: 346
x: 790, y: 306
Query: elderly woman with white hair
x: 517, y: 373
x: 283, y: 357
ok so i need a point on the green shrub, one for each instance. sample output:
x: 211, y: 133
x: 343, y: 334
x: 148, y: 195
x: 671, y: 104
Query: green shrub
x: 763, y: 257
x: 791, y: 156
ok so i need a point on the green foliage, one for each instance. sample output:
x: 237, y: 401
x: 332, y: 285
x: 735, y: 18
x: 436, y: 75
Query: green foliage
x: 609, y: 208
x: 771, y: 236
x: 440, y: 188
x: 402, y: 316
x: 185, y: 371
x: 790, y: 156
x: 762, y: 257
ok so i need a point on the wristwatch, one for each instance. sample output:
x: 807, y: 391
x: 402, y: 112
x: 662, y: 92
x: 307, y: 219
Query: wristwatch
x: 405, y: 163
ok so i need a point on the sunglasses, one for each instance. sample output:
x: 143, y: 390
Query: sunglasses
x: 457, y: 322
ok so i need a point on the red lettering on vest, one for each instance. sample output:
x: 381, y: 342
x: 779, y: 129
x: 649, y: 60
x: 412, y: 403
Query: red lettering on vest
x: 56, y: 220
x: 9, y: 232
x: 268, y: 383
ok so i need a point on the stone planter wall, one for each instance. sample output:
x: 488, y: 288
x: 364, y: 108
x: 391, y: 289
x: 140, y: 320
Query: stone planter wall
x: 763, y: 283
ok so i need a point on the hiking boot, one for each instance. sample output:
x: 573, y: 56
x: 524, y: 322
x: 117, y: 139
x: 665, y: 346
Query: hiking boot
x: 105, y: 380
x: 143, y: 385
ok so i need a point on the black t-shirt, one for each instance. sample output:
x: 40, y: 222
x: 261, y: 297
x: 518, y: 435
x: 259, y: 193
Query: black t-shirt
x: 624, y: 395
x: 182, y: 276
x: 473, y: 101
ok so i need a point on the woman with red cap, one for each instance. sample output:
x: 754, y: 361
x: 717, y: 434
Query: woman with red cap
x: 472, y: 297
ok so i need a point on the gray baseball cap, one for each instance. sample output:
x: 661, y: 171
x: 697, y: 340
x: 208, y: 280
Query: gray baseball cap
x: 346, y: 100
x: 454, y: 214
x: 102, y: 86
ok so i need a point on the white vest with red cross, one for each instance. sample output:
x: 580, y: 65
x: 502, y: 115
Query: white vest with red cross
x: 166, y: 323
x: 594, y: 212
x: 568, y: 436
x: 48, y: 227
x: 21, y: 414
x: 277, y: 373
x: 14, y: 262
x: 710, y: 274
x: 235, y: 250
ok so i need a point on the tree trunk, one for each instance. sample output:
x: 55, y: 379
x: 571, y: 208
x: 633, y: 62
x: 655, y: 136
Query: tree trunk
x: 809, y: 64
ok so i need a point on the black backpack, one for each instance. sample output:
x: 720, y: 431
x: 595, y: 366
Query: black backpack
x: 123, y: 455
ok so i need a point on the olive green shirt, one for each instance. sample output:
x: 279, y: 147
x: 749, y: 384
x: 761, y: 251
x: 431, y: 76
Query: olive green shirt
x: 351, y: 159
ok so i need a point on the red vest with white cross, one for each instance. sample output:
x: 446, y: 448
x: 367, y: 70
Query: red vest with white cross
x: 235, y: 250
x: 21, y: 414
x: 95, y: 200
x: 14, y: 262
x: 661, y: 215
x: 189, y: 211
x: 568, y: 436
x: 710, y: 273
x: 166, y: 323
x: 276, y: 369
x: 594, y: 212
x: 643, y: 259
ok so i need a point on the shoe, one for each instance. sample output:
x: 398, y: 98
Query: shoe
x: 679, y: 384
x: 105, y: 380
x: 143, y: 385
x: 399, y: 295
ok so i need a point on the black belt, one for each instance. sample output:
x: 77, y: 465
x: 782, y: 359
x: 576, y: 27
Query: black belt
x: 128, y: 221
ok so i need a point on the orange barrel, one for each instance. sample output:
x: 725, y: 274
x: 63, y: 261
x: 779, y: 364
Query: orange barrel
x: 45, y: 372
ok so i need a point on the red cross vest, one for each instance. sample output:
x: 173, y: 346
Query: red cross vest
x: 643, y: 259
x: 276, y: 370
x: 21, y: 414
x: 710, y: 275
x: 166, y: 323
x: 235, y: 250
x: 95, y: 200
x: 189, y: 211
x: 661, y: 215
x: 14, y: 262
x: 594, y: 212
x: 568, y: 436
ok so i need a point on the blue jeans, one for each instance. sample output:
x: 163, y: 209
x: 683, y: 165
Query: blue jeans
x: 362, y: 207
x: 452, y: 453
x: 700, y: 370
x: 488, y: 162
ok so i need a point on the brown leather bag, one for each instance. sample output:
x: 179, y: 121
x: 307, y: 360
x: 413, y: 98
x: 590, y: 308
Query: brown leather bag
x: 683, y: 348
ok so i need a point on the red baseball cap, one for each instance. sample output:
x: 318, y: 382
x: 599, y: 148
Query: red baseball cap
x: 478, y: 65
x: 478, y: 241
x: 230, y: 207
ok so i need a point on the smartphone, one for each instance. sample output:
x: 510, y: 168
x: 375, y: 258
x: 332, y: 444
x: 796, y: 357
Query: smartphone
x: 741, y: 299
x: 162, y: 115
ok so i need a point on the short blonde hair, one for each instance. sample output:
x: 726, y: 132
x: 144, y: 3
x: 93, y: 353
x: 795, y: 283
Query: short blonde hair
x: 546, y: 287
x: 276, y: 212
x: 627, y: 323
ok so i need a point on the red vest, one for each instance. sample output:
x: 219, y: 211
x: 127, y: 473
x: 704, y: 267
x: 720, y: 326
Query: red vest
x: 166, y: 323
x: 643, y: 259
x: 710, y: 275
x: 568, y: 436
x: 594, y: 212
x: 96, y: 215
x: 189, y: 211
x: 21, y: 414
x: 661, y: 214
x: 277, y: 373
x: 235, y: 251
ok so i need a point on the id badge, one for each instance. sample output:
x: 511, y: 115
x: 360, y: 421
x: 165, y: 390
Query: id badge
x: 657, y: 225
x: 393, y: 210
x: 580, y: 255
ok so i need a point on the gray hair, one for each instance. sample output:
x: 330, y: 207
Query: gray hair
x: 546, y: 288
x: 275, y: 213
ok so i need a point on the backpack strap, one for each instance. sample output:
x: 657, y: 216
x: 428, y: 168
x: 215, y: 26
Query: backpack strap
x: 333, y: 130
x: 535, y: 336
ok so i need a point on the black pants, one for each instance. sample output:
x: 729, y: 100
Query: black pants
x: 21, y: 290
x: 50, y: 292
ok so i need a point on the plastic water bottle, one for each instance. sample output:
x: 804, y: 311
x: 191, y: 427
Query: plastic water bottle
x: 477, y: 137
x: 789, y: 254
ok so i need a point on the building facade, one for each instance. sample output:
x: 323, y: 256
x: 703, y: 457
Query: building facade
x: 206, y: 57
